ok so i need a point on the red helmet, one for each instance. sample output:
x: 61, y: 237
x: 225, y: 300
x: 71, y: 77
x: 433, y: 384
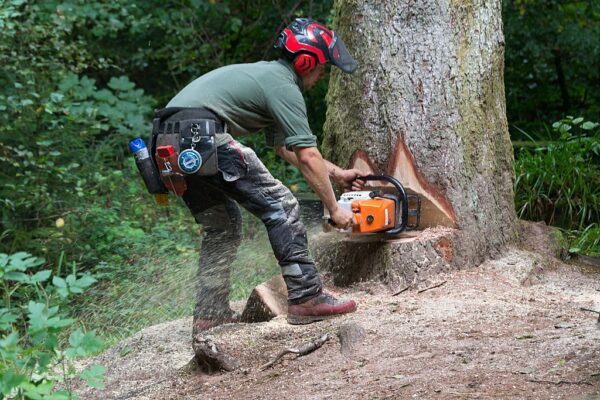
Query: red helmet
x: 306, y: 43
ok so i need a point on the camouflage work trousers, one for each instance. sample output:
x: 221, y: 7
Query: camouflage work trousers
x: 244, y: 180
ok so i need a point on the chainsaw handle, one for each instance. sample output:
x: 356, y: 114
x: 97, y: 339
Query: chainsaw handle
x: 404, y: 198
x: 330, y: 221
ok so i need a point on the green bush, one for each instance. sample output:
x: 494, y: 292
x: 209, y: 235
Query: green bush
x: 552, y: 51
x: 66, y: 117
x: 73, y: 170
x: 559, y: 181
x: 34, y: 363
x: 71, y: 192
x: 280, y: 168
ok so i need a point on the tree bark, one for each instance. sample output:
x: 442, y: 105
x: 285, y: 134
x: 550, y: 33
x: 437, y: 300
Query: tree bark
x: 427, y: 106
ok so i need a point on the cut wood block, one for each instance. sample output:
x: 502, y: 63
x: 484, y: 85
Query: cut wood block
x: 267, y: 301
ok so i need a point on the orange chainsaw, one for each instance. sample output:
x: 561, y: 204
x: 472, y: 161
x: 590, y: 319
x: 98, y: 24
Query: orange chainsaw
x: 380, y: 212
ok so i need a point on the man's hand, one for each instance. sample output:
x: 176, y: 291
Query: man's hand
x: 342, y: 218
x: 347, y: 179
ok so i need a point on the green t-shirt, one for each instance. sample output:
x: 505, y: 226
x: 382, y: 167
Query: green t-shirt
x: 251, y: 97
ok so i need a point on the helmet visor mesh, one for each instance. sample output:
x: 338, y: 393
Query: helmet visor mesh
x: 340, y: 56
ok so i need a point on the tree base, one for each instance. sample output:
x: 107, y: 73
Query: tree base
x: 401, y: 261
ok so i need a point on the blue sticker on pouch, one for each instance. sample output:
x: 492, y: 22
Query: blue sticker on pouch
x: 189, y: 161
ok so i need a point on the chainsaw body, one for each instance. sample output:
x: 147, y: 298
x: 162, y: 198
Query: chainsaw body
x: 379, y: 212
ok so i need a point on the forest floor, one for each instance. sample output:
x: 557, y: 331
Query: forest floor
x: 511, y: 328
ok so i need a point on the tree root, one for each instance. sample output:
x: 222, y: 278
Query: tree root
x: 350, y: 335
x: 210, y: 358
x: 300, y: 351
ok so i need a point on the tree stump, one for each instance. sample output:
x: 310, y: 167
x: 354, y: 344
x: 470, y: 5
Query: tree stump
x: 397, y: 262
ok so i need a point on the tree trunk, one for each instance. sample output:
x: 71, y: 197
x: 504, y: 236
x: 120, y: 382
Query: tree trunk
x: 427, y: 106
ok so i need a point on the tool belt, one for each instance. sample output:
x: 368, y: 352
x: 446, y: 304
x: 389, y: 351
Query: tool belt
x: 184, y: 143
x: 195, y: 129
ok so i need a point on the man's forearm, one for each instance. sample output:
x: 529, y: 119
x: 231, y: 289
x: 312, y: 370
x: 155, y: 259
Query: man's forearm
x: 333, y: 170
x: 316, y: 172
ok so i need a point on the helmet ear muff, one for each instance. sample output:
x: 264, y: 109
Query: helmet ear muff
x: 304, y: 64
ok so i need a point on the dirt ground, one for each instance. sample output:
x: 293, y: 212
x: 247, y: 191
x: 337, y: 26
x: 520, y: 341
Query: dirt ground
x: 511, y: 328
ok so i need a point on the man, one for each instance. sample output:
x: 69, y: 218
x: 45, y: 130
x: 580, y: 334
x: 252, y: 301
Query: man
x: 247, y: 98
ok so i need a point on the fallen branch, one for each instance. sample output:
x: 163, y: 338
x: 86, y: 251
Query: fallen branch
x: 467, y: 394
x: 300, y: 351
x: 561, y: 382
x: 432, y: 287
x: 402, y: 290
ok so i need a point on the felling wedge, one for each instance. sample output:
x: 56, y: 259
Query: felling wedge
x: 379, y: 212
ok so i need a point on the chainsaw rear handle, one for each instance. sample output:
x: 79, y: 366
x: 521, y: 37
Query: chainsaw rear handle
x: 403, y: 198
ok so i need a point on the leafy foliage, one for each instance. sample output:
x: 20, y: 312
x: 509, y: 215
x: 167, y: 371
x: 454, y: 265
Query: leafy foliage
x: 587, y: 241
x: 552, y: 58
x: 31, y: 323
x: 68, y: 110
x: 62, y: 136
x: 79, y: 79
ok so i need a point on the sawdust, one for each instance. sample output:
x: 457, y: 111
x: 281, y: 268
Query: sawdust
x: 511, y: 328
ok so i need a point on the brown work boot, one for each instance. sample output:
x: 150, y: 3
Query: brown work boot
x: 201, y: 325
x: 324, y: 306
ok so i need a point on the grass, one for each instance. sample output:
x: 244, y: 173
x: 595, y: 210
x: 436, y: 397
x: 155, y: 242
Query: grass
x: 559, y: 182
x: 585, y: 242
